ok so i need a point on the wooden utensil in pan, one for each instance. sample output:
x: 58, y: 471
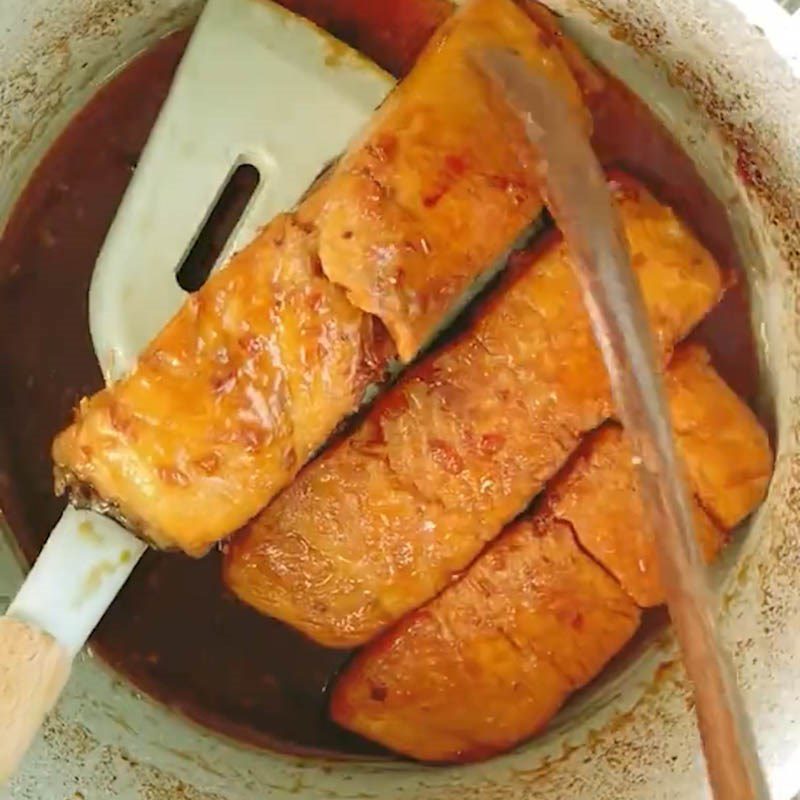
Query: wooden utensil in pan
x: 578, y: 198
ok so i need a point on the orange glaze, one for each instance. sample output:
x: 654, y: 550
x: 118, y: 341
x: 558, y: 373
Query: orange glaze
x: 231, y: 398
x: 491, y: 659
x: 260, y: 366
x: 728, y: 462
x: 443, y: 181
x: 386, y: 517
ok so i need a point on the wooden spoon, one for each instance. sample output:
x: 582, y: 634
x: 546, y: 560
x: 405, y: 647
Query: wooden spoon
x: 578, y: 198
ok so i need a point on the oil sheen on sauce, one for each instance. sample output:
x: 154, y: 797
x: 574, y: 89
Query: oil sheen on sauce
x: 174, y: 631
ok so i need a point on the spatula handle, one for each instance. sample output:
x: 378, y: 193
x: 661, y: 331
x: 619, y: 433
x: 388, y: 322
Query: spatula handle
x: 83, y: 565
x: 34, y: 668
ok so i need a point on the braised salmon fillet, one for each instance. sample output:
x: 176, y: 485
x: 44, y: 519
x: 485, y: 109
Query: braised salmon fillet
x: 385, y: 518
x: 444, y: 159
x: 259, y: 367
x: 489, y: 661
x: 492, y: 659
x: 725, y: 452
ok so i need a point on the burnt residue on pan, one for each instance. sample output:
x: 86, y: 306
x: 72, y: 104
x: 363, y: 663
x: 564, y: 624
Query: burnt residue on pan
x: 174, y: 631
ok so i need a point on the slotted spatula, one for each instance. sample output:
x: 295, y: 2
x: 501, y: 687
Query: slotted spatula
x: 256, y: 86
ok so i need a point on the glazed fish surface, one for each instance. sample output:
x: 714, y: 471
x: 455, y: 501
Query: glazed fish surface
x: 540, y: 612
x: 385, y: 518
x: 258, y: 368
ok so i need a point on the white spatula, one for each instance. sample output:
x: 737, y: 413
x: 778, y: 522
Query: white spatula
x: 257, y: 86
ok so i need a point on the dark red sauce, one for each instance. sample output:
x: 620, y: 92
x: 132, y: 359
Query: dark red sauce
x: 174, y: 631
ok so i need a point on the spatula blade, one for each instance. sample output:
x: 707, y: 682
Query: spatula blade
x: 256, y: 85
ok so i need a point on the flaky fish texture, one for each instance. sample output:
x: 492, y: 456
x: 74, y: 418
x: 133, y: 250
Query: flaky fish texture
x: 384, y: 519
x: 489, y: 661
x: 259, y: 367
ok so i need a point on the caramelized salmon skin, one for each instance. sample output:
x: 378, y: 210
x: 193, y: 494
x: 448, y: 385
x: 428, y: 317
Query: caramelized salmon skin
x: 725, y: 452
x: 383, y: 520
x: 444, y: 159
x: 261, y: 365
x: 489, y: 661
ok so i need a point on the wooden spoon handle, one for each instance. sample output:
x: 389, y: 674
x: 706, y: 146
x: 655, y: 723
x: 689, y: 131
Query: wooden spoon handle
x: 34, y: 668
x: 577, y: 196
